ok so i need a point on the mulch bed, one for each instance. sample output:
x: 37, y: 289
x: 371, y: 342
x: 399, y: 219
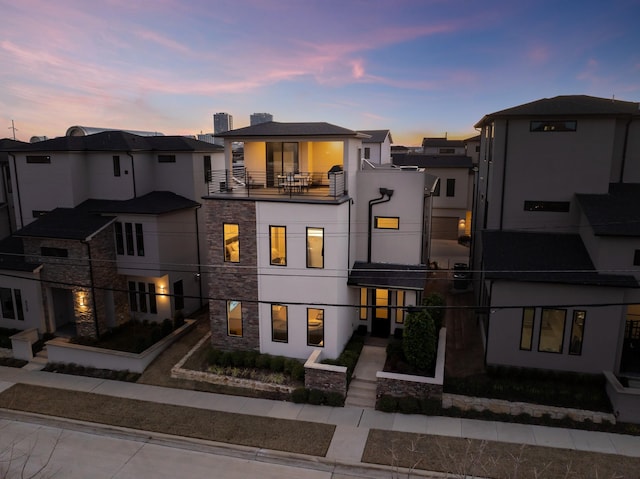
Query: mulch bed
x: 255, y: 431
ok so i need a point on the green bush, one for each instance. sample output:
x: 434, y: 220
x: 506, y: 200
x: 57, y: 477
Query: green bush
x: 226, y: 360
x: 276, y: 364
x: 263, y: 361
x: 419, y: 340
x: 213, y: 356
x: 387, y: 404
x: 408, y: 405
x: 334, y: 399
x: 237, y: 359
x: 250, y: 358
x: 437, y: 312
x: 300, y: 395
x: 297, y: 371
x: 315, y: 397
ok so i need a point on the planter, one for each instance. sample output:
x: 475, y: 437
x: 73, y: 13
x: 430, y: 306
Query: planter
x: 324, y: 377
x: 625, y: 401
x: 22, y: 343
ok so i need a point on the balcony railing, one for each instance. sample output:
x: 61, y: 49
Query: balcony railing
x: 240, y: 181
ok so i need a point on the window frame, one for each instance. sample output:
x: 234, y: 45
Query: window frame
x: 367, y: 153
x: 207, y: 168
x: 286, y: 323
x: 116, y: 165
x: 166, y: 158
x: 227, y: 241
x: 272, y: 258
x: 564, y: 325
x: 38, y: 159
x: 451, y: 188
x: 532, y: 311
x: 308, y: 236
x: 318, y: 311
x: 4, y: 303
x: 377, y: 222
x: 228, y: 313
x: 573, y: 349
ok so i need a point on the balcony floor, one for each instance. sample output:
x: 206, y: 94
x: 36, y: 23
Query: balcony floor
x: 311, y: 194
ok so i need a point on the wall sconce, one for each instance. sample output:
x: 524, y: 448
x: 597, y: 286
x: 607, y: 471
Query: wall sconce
x: 162, y: 290
x: 81, y: 299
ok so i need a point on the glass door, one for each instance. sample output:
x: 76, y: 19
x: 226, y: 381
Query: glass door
x: 381, y: 321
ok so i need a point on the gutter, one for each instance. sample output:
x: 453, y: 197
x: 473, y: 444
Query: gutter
x: 198, y: 253
x: 504, y: 172
x: 624, y: 149
x: 133, y: 174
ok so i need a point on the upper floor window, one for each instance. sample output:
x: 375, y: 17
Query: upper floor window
x: 549, y: 206
x: 451, y: 187
x: 38, y: 159
x: 553, y: 125
x: 207, y: 168
x: 55, y: 252
x: 134, y: 243
x: 367, y: 153
x: 315, y: 247
x: 116, y: 165
x: 447, y: 151
x: 387, y: 222
x: 166, y: 158
x: 231, y: 243
x: 278, y: 244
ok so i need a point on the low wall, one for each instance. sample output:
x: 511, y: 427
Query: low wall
x: 324, y: 377
x: 625, y: 401
x: 403, y: 385
x: 22, y: 342
x: 62, y: 351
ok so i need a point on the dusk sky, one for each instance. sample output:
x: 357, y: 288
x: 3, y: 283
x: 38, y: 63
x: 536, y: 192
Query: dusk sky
x: 416, y: 67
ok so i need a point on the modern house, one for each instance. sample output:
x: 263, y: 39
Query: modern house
x: 377, y: 147
x: 108, y: 227
x: 557, y: 263
x: 305, y: 247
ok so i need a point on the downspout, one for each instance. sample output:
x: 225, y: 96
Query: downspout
x: 624, y: 149
x: 376, y: 201
x: 133, y: 175
x: 93, y: 291
x: 15, y: 173
x: 349, y: 237
x: 488, y: 301
x: 198, y: 250
x: 504, y: 172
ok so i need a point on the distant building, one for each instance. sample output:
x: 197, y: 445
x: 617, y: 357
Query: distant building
x: 207, y: 137
x: 257, y: 118
x: 222, y: 122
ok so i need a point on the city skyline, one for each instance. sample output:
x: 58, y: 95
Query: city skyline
x: 420, y: 68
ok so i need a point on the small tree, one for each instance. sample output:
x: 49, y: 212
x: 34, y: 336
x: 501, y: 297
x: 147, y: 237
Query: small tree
x: 437, y: 313
x: 419, y: 339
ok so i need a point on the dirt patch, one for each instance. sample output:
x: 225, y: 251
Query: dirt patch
x: 277, y: 434
x: 469, y: 457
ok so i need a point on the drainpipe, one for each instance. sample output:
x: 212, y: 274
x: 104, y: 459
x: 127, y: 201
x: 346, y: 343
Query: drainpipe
x: 376, y: 201
x: 624, y: 149
x: 133, y: 174
x: 93, y: 291
x: 504, y: 172
x: 15, y: 172
x: 198, y: 252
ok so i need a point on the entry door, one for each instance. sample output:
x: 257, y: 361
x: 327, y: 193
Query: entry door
x: 62, y: 306
x: 381, y: 321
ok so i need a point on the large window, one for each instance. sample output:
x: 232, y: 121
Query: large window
x: 139, y: 239
x: 231, y: 243
x: 234, y: 318
x: 119, y: 238
x: 315, y: 327
x: 6, y: 298
x: 315, y: 248
x: 128, y: 231
x: 278, y: 244
x: 279, y: 323
x: 207, y: 168
x: 451, y: 187
x: 552, y: 330
x: 142, y: 297
x: 526, y: 333
x: 134, y: 243
x: 577, y: 332
x: 386, y: 222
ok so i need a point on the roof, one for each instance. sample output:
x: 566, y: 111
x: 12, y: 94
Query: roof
x: 432, y: 161
x: 441, y: 142
x: 119, y: 141
x: 544, y: 257
x: 9, y: 144
x: 388, y: 275
x: 12, y: 256
x: 65, y: 223
x: 615, y: 213
x: 376, y: 136
x: 154, y: 203
x: 567, y: 105
x: 78, y: 130
x: 274, y: 128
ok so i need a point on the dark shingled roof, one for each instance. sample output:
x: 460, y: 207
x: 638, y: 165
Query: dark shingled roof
x: 154, y: 203
x: 377, y: 136
x: 544, y: 257
x: 65, y: 223
x: 274, y: 128
x: 12, y: 256
x: 432, y: 161
x: 119, y: 141
x: 388, y: 275
x: 7, y: 144
x: 567, y: 105
x: 616, y: 213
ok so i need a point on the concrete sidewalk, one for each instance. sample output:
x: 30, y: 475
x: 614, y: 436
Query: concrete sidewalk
x: 352, y: 423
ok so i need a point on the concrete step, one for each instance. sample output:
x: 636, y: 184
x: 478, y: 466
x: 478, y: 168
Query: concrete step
x: 363, y: 386
x: 360, y: 402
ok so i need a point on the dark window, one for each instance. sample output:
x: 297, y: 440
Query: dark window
x: 636, y: 258
x: 142, y: 292
x: 367, y: 153
x: 38, y: 159
x: 38, y: 213
x: 166, y: 158
x: 116, y: 165
x: 549, y: 206
x: 133, y: 297
x: 18, y: 296
x: 6, y: 299
x: 207, y: 169
x: 55, y: 252
x: 436, y: 191
x: 553, y: 125
x: 447, y: 151
x: 153, y: 307
x: 128, y: 230
x: 119, y: 238
x: 178, y: 292
x: 139, y: 239
x: 451, y: 187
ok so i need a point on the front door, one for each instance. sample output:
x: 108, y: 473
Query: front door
x: 63, y: 311
x: 381, y: 321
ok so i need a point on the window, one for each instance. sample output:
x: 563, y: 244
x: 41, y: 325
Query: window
x: 315, y: 247
x: 552, y: 330
x: 279, y: 323
x: 577, y: 332
x: 526, y: 333
x: 207, y: 168
x: 550, y: 206
x: 234, y: 318
x: 278, y: 243
x: 139, y: 239
x: 55, y: 252
x: 142, y: 295
x: 231, y: 243
x: 399, y: 307
x: 315, y: 327
x: 38, y: 213
x: 119, y: 238
x: 18, y: 302
x: 128, y: 230
x: 363, y: 304
x: 38, y: 159
x: 166, y: 158
x: 8, y: 311
x: 153, y: 306
x: 367, y: 153
x: 133, y: 297
x: 387, y: 222
x: 116, y: 165
x: 553, y: 125
x: 636, y: 258
x: 178, y: 295
x: 436, y: 191
x: 447, y: 151
x: 451, y: 187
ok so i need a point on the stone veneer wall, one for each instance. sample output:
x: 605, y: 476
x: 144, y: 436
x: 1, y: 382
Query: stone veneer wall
x: 324, y: 377
x: 401, y: 388
x: 232, y: 280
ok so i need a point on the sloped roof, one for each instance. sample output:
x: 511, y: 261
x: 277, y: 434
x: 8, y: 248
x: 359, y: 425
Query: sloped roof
x: 544, y: 257
x: 432, y: 161
x: 9, y: 144
x: 154, y: 203
x: 65, y: 223
x: 388, y: 275
x: 616, y: 213
x: 274, y: 128
x: 567, y: 105
x: 376, y: 136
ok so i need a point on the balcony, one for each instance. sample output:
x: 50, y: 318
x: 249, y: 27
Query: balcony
x: 286, y: 185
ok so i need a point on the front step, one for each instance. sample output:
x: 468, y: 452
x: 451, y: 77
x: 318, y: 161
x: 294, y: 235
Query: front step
x: 362, y: 393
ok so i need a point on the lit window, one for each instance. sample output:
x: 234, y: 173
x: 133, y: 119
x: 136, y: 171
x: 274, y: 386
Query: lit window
x: 399, y: 308
x: 278, y: 243
x: 231, y: 243
x: 315, y: 248
x: 315, y: 327
x: 363, y: 304
x: 387, y: 223
x: 234, y: 318
x: 526, y: 334
x: 577, y: 332
x: 552, y: 330
x: 279, y: 323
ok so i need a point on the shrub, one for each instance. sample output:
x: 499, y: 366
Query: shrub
x: 178, y: 319
x: 166, y: 327
x: 263, y: 361
x: 250, y: 358
x: 437, y: 313
x: 226, y: 360
x: 430, y: 406
x: 315, y: 397
x: 334, y: 399
x: 213, y: 356
x: 276, y: 364
x: 387, y: 404
x: 408, y: 405
x: 297, y: 371
x: 300, y: 395
x: 419, y: 339
x: 237, y: 359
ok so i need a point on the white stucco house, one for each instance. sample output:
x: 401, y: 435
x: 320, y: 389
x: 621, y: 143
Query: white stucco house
x: 376, y: 146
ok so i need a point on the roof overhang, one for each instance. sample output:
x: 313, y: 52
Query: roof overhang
x: 388, y: 275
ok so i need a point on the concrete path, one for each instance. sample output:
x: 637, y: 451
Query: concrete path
x: 362, y: 390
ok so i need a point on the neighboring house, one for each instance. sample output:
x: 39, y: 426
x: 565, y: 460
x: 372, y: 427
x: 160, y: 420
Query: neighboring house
x: 145, y: 191
x: 443, y: 147
x: 558, y: 261
x: 304, y: 247
x: 7, y: 208
x: 377, y: 148
x: 472, y: 148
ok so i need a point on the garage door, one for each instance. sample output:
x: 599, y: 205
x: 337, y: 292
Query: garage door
x: 444, y: 227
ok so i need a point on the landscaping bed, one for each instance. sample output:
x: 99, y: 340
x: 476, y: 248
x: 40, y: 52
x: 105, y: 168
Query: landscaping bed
x: 78, y: 370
